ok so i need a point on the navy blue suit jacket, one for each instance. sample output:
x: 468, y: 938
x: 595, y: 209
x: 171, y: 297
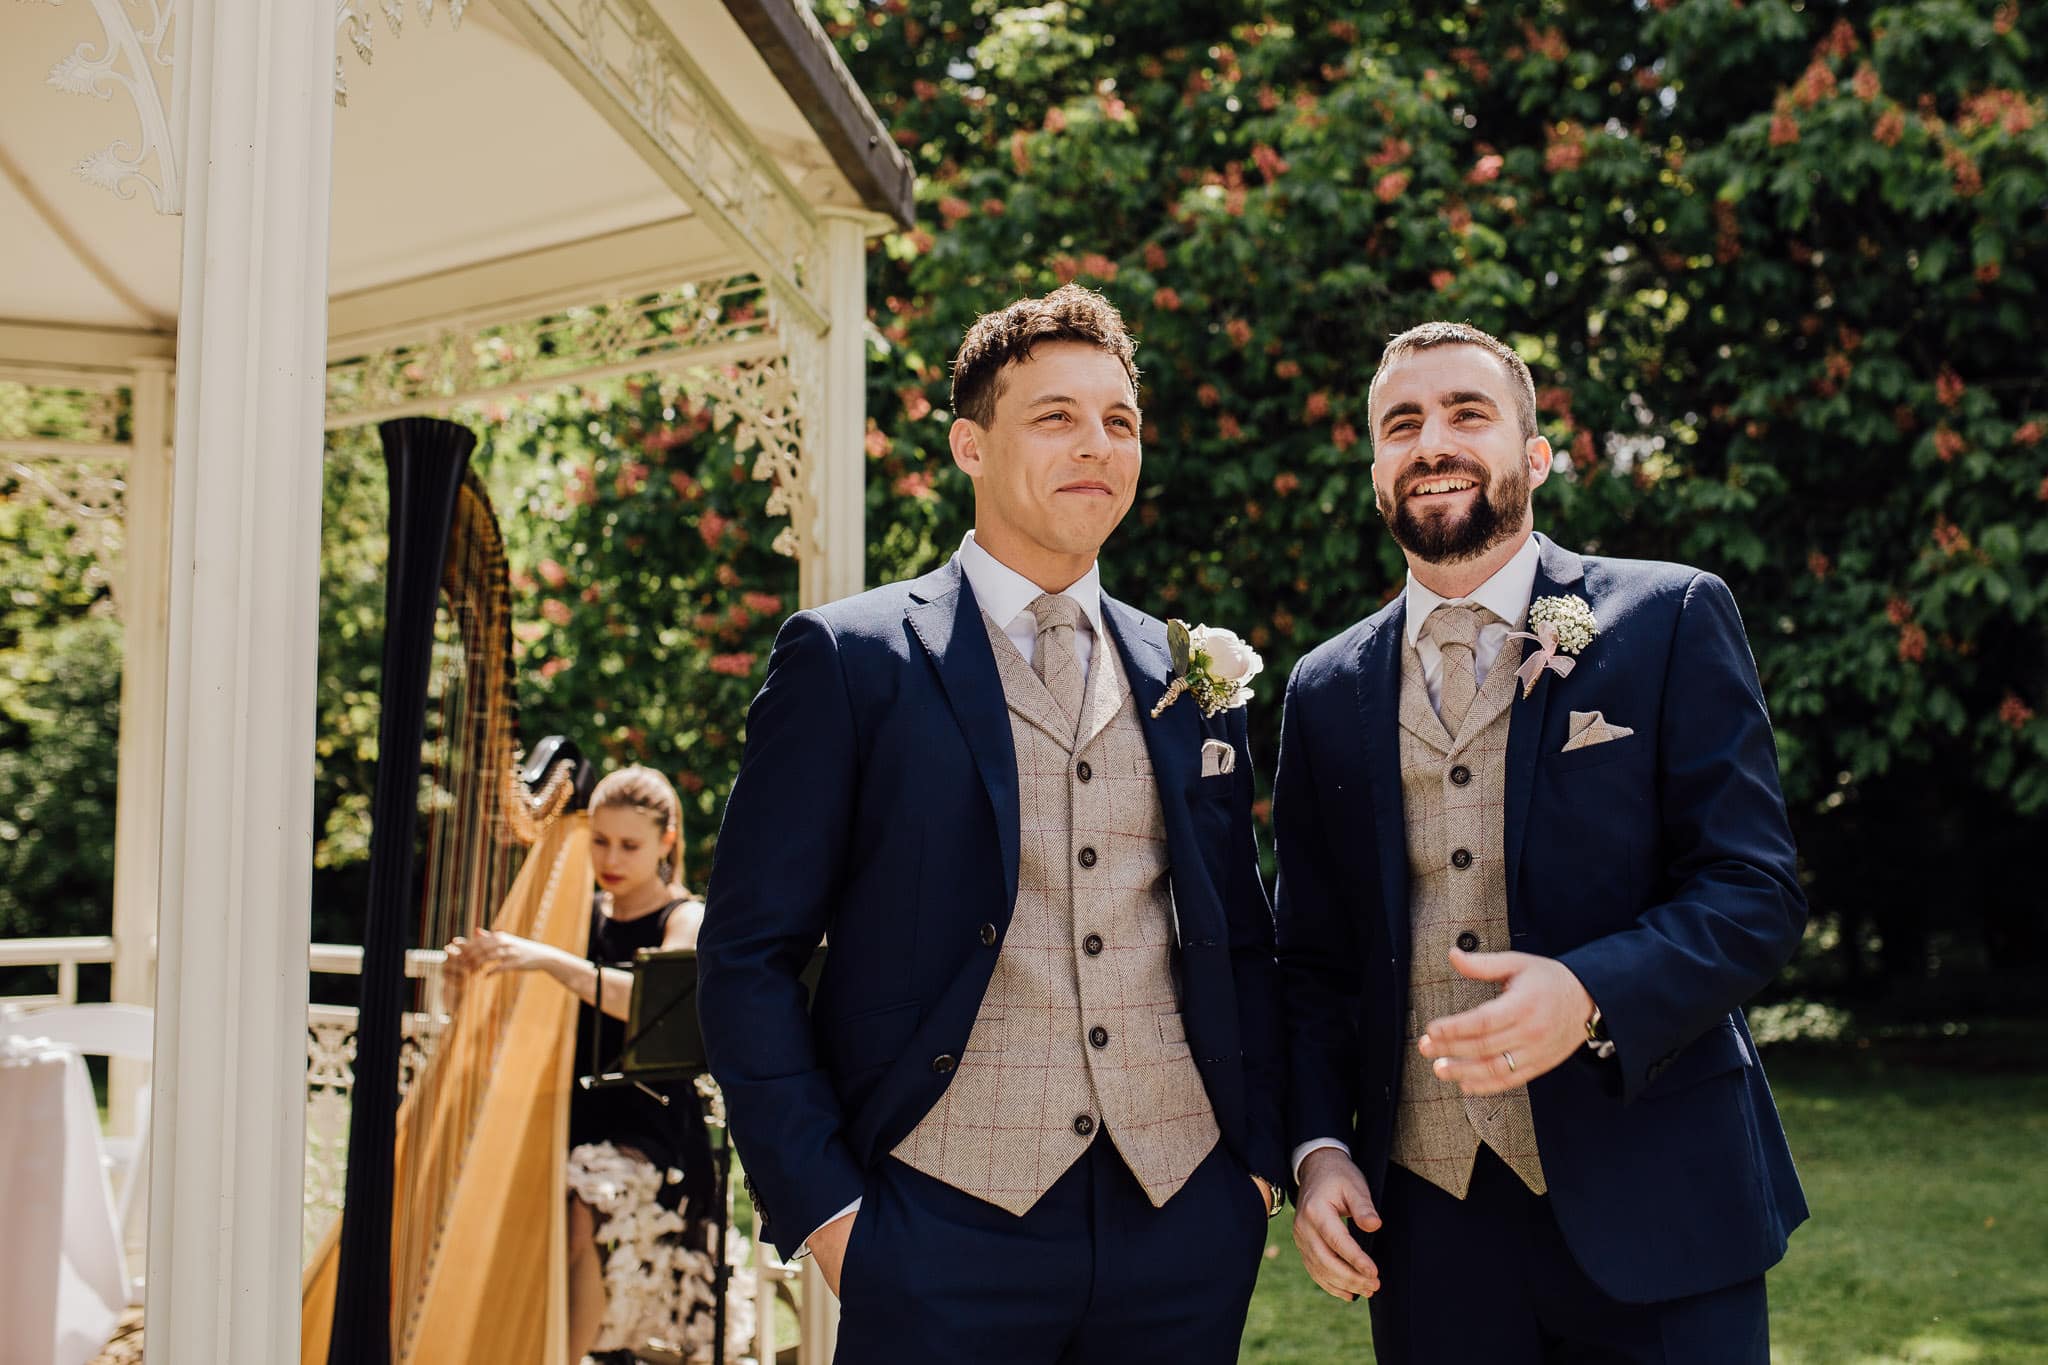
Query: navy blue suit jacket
x: 1658, y: 867
x: 877, y: 804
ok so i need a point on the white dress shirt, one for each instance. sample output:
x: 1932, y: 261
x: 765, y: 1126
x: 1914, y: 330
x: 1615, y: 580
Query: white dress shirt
x: 1006, y: 596
x: 1506, y: 595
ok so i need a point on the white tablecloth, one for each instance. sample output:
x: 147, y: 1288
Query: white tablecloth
x: 61, y: 1276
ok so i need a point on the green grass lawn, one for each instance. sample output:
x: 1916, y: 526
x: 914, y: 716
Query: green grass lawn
x: 1926, y: 1165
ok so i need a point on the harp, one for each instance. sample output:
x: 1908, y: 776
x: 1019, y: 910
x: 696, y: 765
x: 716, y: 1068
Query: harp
x: 450, y: 1246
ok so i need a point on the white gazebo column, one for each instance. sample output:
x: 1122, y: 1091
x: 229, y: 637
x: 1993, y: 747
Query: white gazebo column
x: 139, y: 790
x: 836, y: 463
x: 256, y: 82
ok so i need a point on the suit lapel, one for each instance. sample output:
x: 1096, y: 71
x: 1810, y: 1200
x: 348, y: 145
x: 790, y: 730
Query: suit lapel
x: 1418, y: 717
x: 1496, y: 696
x: 1379, y: 682
x: 1559, y: 571
x: 1105, y: 694
x: 1174, y: 738
x: 1023, y: 690
x: 948, y: 623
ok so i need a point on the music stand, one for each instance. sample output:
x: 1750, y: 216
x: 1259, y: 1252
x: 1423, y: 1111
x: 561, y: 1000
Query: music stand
x: 664, y: 1042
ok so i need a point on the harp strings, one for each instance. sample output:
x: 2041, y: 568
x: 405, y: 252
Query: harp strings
x: 470, y: 860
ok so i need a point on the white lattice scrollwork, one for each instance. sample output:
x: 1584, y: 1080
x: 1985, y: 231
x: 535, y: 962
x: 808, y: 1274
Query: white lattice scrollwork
x: 707, y: 322
x: 629, y: 53
x: 353, y: 22
x: 761, y: 401
x: 135, y: 59
x: 330, y: 1080
x: 43, y: 414
x: 88, y: 497
x: 62, y: 445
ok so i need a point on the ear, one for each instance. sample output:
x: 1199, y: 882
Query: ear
x: 1538, y: 452
x: 965, y: 438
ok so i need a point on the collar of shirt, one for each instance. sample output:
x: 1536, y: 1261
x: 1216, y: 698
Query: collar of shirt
x: 1006, y: 594
x: 1506, y: 594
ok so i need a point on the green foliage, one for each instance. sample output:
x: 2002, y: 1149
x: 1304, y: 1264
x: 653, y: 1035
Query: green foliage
x: 646, y: 589
x: 1776, y: 265
x: 1777, y: 268
x: 645, y: 596
x: 60, y: 695
x: 1950, y: 1272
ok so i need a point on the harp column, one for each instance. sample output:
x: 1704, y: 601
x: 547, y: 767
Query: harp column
x: 254, y: 124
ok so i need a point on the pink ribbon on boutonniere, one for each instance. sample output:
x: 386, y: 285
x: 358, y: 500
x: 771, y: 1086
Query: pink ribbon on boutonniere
x: 1546, y: 656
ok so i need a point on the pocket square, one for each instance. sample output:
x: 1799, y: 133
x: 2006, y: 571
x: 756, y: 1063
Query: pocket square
x: 1218, y: 758
x: 1589, y: 728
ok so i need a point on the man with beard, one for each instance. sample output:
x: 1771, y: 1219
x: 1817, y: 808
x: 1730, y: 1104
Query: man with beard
x: 1521, y: 903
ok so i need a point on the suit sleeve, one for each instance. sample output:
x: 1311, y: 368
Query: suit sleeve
x: 782, y: 851
x: 1735, y: 913
x: 1320, y: 972
x: 1250, y: 917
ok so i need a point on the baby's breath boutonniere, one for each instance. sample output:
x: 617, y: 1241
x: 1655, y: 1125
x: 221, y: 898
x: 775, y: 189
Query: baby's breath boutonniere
x: 1210, y: 664
x: 1559, y: 626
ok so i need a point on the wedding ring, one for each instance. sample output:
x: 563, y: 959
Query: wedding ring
x: 1509, y: 1058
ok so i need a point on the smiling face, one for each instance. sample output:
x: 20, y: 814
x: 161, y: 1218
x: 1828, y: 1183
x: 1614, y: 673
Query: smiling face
x: 1057, y: 466
x: 1452, y: 469
x: 627, y: 845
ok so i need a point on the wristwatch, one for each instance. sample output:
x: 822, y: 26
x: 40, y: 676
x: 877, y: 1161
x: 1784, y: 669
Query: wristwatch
x: 1597, y: 1041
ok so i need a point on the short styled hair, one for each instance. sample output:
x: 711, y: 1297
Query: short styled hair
x: 1462, y: 334
x: 1008, y: 336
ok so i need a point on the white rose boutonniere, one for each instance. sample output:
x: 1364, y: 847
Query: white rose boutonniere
x: 1559, y: 626
x: 1211, y: 664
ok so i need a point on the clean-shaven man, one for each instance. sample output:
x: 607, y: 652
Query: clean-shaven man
x: 1034, y: 1112
x: 1525, y: 886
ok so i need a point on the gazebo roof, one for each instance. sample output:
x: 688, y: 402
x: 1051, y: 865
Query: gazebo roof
x: 474, y: 166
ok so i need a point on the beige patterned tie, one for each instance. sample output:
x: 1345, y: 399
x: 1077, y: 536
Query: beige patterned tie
x: 1456, y: 632
x: 1057, y: 662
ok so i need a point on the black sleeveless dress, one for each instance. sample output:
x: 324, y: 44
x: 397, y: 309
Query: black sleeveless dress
x: 671, y: 1137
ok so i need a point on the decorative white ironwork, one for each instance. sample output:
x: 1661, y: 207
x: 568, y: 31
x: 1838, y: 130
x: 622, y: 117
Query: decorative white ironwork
x: 353, y: 22
x: 88, y: 496
x: 330, y: 1084
x: 764, y: 402
x: 61, y: 413
x: 714, y: 321
x: 625, y: 56
x: 62, y: 445
x: 137, y: 60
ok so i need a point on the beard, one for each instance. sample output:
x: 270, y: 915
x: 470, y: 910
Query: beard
x: 1441, y: 538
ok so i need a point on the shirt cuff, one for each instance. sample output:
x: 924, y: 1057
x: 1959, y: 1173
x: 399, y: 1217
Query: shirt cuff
x: 1316, y: 1145
x: 805, y: 1249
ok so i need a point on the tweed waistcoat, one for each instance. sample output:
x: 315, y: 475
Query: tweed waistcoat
x: 1080, y: 1028
x: 1452, y: 794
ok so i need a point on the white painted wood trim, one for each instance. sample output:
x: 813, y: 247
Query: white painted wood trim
x: 837, y: 457
x: 145, y: 641
x: 255, y: 86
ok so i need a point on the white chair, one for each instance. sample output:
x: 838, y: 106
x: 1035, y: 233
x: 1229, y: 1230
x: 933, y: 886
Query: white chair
x: 125, y: 1031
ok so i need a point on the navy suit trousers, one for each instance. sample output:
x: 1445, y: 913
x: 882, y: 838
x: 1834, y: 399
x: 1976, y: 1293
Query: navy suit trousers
x: 1092, y: 1273
x: 1489, y: 1278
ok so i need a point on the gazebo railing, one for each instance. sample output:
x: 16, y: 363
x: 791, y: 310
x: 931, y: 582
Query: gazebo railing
x: 67, y: 955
